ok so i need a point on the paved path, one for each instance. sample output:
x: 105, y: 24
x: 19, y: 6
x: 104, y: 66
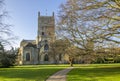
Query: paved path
x: 60, y: 75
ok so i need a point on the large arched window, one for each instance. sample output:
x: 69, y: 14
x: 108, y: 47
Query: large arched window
x: 46, y: 58
x: 46, y: 47
x: 27, y: 56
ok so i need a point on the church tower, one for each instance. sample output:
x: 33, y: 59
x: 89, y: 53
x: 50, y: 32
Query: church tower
x: 45, y: 35
x: 36, y: 51
x: 46, y: 28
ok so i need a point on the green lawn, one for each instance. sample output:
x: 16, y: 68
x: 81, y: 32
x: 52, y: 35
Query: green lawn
x: 95, y: 72
x: 81, y: 72
x: 29, y: 72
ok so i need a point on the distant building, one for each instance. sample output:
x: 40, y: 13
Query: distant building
x: 36, y: 51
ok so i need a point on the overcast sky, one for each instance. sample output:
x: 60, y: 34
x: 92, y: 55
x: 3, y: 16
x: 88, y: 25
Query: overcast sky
x: 24, y: 13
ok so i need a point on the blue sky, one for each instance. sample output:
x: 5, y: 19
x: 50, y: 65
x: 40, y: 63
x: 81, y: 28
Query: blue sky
x: 24, y: 13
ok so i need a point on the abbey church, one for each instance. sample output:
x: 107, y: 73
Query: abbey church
x: 36, y: 51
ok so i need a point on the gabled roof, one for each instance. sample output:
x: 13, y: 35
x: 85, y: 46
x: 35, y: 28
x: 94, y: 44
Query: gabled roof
x: 25, y: 42
x: 30, y: 45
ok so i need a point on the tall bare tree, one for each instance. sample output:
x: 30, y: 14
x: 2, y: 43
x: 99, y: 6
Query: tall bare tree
x: 57, y: 49
x: 6, y: 34
x: 7, y: 58
x: 90, y: 22
x: 72, y: 52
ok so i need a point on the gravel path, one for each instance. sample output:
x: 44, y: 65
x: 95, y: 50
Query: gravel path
x: 60, y: 75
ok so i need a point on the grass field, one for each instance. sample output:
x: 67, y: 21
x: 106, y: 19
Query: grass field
x: 95, y: 72
x: 29, y: 72
x: 81, y: 72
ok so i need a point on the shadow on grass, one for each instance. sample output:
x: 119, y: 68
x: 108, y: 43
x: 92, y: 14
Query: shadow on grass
x: 26, y: 74
x: 43, y: 66
x: 94, y: 74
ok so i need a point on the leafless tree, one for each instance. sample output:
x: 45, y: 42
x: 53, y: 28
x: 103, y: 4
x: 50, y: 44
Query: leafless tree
x: 57, y: 49
x: 72, y: 53
x: 6, y: 34
x: 88, y: 23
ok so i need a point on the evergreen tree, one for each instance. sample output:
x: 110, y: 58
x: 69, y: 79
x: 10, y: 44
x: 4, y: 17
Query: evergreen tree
x: 7, y: 58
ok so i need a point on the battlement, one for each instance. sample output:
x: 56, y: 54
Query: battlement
x: 46, y: 27
x: 45, y: 16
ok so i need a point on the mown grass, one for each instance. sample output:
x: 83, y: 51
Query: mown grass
x: 95, y: 72
x: 29, y: 72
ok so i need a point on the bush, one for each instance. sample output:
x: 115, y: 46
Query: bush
x: 8, y: 60
x: 117, y: 59
x: 99, y: 60
x: 108, y: 59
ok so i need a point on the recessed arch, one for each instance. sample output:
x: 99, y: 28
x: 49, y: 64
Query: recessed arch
x: 46, y: 58
x: 46, y: 47
x: 27, y: 56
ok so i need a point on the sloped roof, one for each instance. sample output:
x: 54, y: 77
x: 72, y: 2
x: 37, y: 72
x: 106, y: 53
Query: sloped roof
x: 30, y: 45
x: 25, y: 42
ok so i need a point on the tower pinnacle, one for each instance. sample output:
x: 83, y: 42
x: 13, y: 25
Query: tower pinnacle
x: 53, y: 14
x: 38, y: 14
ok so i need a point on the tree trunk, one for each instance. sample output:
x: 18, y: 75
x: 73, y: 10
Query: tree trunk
x: 71, y: 64
x: 71, y: 61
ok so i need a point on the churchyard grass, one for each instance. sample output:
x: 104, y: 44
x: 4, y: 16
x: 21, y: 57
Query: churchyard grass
x: 95, y: 72
x: 29, y: 72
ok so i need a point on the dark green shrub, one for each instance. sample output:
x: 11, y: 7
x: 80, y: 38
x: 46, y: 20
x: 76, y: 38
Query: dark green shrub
x: 117, y: 59
x: 99, y: 60
x: 7, y: 58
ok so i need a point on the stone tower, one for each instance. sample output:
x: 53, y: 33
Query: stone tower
x: 45, y: 35
x: 46, y: 28
x: 36, y: 51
